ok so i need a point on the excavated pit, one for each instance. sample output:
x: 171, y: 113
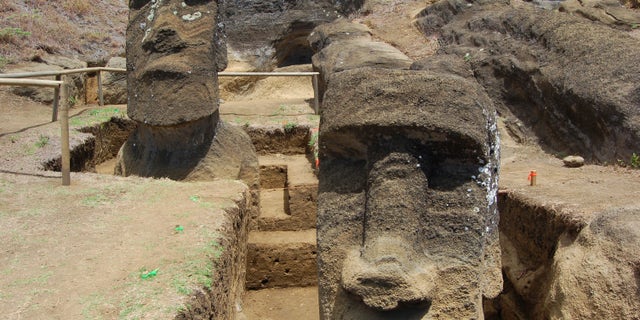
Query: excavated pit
x: 281, y: 248
x: 100, y: 146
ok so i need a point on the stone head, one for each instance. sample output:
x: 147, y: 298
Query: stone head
x: 407, y: 219
x: 172, y: 52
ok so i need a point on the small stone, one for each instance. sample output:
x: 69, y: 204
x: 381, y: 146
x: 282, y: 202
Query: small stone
x: 573, y: 161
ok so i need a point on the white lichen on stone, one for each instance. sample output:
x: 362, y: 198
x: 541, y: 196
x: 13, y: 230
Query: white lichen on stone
x: 152, y: 15
x: 193, y: 16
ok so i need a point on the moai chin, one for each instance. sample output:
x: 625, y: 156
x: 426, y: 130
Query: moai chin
x: 407, y: 214
x: 172, y: 60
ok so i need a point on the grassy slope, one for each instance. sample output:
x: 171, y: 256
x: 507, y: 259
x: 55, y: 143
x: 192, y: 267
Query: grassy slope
x: 89, y: 30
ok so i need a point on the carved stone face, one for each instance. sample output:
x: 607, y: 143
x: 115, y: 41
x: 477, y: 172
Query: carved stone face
x: 407, y: 220
x: 171, y: 59
x: 412, y: 220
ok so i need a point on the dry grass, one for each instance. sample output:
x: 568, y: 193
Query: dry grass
x: 77, y: 7
x: 89, y: 30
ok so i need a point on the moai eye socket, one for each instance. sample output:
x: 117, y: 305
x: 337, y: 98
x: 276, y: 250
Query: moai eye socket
x: 137, y: 4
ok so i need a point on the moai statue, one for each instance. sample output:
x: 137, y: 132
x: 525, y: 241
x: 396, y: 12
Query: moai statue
x: 407, y: 213
x: 174, y: 51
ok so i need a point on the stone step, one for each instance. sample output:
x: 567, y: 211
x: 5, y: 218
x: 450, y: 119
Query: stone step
x: 299, y: 170
x: 298, y: 196
x: 280, y: 259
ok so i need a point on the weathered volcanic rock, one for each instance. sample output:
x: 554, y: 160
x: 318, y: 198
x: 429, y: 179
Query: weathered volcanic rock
x: 574, y: 83
x: 573, y: 161
x: 173, y: 55
x: 270, y: 33
x: 344, y: 46
x: 341, y: 29
x: 597, y: 276
x: 199, y: 150
x: 114, y: 85
x: 610, y: 12
x: 407, y: 216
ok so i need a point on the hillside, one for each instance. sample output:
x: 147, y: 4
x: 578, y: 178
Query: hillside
x: 91, y: 31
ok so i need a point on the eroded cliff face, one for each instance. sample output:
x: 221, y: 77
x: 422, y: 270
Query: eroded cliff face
x: 572, y: 84
x: 270, y: 33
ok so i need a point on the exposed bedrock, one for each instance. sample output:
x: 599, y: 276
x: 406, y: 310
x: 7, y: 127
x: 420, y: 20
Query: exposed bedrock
x: 272, y: 33
x: 343, y: 45
x: 573, y: 83
x: 598, y: 275
x: 407, y: 212
x: 558, y: 265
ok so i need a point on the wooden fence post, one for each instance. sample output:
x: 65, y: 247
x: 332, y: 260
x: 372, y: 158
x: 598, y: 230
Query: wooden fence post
x: 56, y: 101
x: 64, y: 134
x: 316, y: 94
x: 100, y: 96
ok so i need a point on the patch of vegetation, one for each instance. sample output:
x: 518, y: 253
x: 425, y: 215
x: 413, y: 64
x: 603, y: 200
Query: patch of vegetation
x: 313, y: 139
x: 203, y: 204
x: 42, y: 278
x: 92, y: 304
x: 34, y: 28
x: 9, y: 34
x: 290, y: 126
x: 96, y: 116
x: 72, y: 101
x: 42, y: 141
x: 635, y: 161
x: 281, y: 110
x: 4, y: 61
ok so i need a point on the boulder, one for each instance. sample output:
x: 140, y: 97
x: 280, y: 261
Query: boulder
x: 407, y: 216
x: 341, y: 29
x: 573, y: 161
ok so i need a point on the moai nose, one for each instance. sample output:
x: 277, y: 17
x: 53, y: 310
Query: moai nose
x: 381, y: 275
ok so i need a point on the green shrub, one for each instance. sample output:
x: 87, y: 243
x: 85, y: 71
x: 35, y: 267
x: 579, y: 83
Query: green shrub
x: 10, y: 34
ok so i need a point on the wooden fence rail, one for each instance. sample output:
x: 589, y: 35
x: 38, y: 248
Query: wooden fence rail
x: 64, y: 122
x: 99, y: 70
x: 61, y: 94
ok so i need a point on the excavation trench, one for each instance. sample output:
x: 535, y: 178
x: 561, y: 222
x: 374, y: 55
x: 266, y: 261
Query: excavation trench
x: 281, y: 270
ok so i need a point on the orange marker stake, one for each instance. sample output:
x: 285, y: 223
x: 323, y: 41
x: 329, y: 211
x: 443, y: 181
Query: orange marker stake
x: 532, y: 177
